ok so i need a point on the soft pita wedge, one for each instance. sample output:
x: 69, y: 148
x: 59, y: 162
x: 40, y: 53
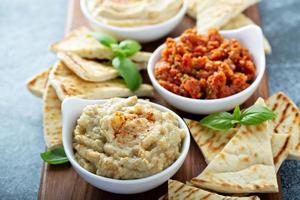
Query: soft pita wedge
x: 281, y: 146
x: 180, y: 191
x: 192, y: 8
x: 234, y: 23
x: 52, y: 118
x: 245, y: 165
x: 90, y: 70
x: 211, y: 142
x: 79, y: 43
x: 287, y: 121
x: 67, y: 84
x: 37, y: 84
x: 242, y: 20
x: 215, y: 14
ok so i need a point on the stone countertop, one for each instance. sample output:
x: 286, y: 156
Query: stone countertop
x: 28, y: 27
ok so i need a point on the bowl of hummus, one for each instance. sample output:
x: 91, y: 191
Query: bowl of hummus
x: 141, y: 20
x: 121, y: 145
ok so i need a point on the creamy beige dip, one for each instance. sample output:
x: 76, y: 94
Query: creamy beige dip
x: 133, y: 13
x: 124, y: 139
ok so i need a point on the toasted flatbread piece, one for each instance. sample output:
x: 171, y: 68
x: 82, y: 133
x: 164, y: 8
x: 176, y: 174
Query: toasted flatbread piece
x: 79, y: 43
x: 37, y: 84
x: 67, y: 84
x: 245, y: 165
x: 281, y: 146
x: 52, y: 118
x: 242, y: 20
x: 90, y: 70
x: 215, y: 14
x: 211, y: 142
x: 192, y: 8
x: 287, y: 120
x: 180, y: 191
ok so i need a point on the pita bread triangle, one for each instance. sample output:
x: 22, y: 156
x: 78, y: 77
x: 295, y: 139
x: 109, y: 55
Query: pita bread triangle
x: 245, y: 165
x: 234, y: 23
x: 180, y: 191
x: 67, y: 84
x: 287, y: 121
x: 215, y: 14
x: 79, y: 43
x: 90, y: 70
x: 242, y: 20
x: 281, y: 146
x: 192, y: 8
x: 52, y: 118
x: 37, y: 84
x: 211, y: 142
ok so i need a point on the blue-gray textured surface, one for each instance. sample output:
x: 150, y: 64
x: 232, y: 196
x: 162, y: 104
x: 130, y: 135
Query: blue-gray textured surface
x: 28, y: 27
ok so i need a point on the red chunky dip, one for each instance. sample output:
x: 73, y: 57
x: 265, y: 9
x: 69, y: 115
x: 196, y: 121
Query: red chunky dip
x: 205, y: 66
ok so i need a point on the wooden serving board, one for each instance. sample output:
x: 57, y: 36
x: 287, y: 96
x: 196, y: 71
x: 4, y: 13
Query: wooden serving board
x: 62, y: 182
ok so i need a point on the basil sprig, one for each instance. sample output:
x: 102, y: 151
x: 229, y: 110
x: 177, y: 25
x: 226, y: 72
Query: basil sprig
x: 121, y: 51
x: 253, y: 115
x: 55, y: 156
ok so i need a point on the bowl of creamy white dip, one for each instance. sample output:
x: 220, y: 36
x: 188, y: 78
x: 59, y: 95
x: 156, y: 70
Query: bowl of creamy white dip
x: 141, y: 20
x: 123, y: 145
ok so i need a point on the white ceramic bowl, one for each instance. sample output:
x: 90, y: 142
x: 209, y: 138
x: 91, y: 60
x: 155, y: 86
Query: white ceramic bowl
x: 142, y: 33
x: 251, y: 37
x: 71, y: 111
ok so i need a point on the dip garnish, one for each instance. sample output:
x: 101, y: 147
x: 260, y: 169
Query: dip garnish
x: 121, y: 61
x: 253, y: 115
x: 55, y: 156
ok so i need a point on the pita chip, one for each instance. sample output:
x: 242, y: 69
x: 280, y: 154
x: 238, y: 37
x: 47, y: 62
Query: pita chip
x: 287, y: 120
x: 90, y: 70
x: 242, y: 20
x: 52, y: 118
x: 245, y: 165
x: 281, y: 146
x: 37, y: 84
x: 79, y: 43
x: 234, y: 23
x: 211, y: 142
x: 215, y: 14
x: 180, y: 191
x: 67, y: 84
x: 192, y: 8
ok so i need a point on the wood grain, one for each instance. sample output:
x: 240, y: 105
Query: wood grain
x: 62, y: 182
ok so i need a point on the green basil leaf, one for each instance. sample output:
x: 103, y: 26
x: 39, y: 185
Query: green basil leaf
x: 218, y: 121
x: 55, y: 156
x: 117, y: 51
x: 128, y: 70
x: 237, y: 113
x: 104, y: 39
x: 130, y: 47
x: 256, y: 114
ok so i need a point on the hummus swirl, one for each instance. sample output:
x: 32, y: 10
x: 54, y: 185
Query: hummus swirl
x: 124, y: 139
x: 133, y: 13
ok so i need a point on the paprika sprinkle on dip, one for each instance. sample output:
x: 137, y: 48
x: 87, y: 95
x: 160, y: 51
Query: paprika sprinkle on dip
x: 204, y: 66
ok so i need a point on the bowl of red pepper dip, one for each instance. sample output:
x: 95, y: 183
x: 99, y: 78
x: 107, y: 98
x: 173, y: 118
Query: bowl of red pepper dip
x: 209, y: 73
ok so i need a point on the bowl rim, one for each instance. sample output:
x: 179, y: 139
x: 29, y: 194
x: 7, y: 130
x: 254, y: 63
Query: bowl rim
x: 171, y: 20
x: 181, y: 158
x: 253, y: 85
